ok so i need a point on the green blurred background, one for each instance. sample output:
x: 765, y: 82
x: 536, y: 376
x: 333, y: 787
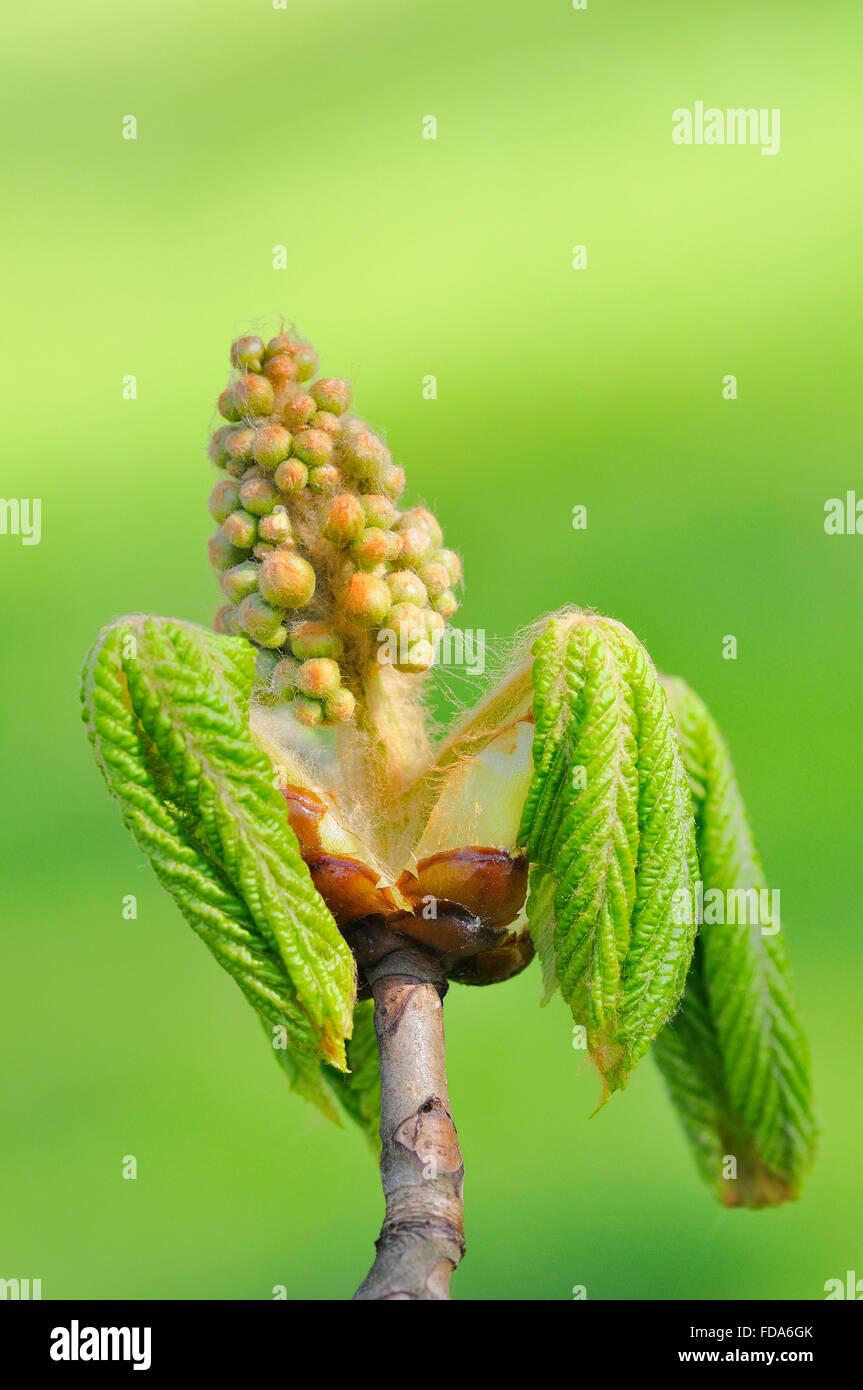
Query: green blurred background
x: 556, y: 387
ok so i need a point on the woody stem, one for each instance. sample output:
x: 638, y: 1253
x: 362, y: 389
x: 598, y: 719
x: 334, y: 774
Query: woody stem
x: 422, y: 1174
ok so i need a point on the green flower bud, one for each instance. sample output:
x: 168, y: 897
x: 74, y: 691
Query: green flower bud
x: 313, y: 447
x: 240, y: 581
x: 372, y: 547
x: 281, y: 369
x: 407, y: 587
x: 222, y: 553
x: 260, y: 621
x: 283, y: 680
x: 452, y: 563
x: 319, y: 677
x: 241, y: 529
x: 393, y: 480
x: 308, y: 712
x: 224, y: 498
x: 298, y: 411
x: 310, y: 639
x: 445, y: 603
x: 435, y: 577
x: 418, y: 658
x: 344, y: 520
x: 240, y: 443
x: 247, y: 352
x: 365, y: 600
x: 435, y: 625
x: 275, y: 528
x: 286, y: 579
x: 363, y: 455
x: 421, y: 516
x: 259, y: 496
x: 306, y: 360
x: 291, y: 476
x: 331, y: 395
x: 216, y: 451
x: 227, y: 405
x: 379, y: 511
x: 253, y: 395
x: 416, y: 544
x: 324, y: 420
x: 282, y: 343
x: 339, y: 707
x: 326, y: 478
x: 407, y: 622
x: 227, y: 621
x: 272, y: 445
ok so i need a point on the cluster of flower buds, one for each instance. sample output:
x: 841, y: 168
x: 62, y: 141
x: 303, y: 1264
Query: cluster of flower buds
x: 320, y: 569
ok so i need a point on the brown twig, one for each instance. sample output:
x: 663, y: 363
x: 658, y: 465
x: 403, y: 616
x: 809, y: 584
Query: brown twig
x: 422, y: 1174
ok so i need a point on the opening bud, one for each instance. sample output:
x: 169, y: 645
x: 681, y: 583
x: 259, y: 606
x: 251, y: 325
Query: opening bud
x: 344, y: 520
x: 331, y: 395
x: 286, y: 579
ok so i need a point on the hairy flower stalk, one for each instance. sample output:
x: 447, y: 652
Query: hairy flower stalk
x: 344, y: 867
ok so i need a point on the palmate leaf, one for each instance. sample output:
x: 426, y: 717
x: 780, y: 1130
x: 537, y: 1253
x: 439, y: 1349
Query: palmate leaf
x: 608, y: 827
x: 734, y: 1057
x: 166, y: 707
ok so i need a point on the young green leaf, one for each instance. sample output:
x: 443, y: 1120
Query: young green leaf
x: 608, y: 823
x: 735, y: 1058
x: 166, y: 706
